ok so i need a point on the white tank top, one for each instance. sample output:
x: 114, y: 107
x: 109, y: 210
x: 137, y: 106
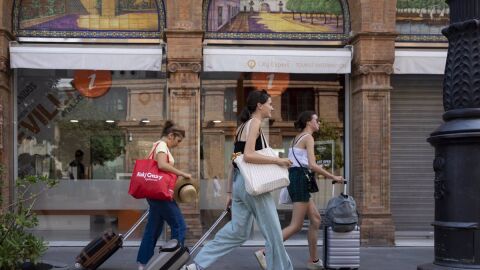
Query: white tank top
x: 300, y: 154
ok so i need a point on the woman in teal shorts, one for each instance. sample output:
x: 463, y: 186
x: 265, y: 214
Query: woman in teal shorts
x: 302, y: 151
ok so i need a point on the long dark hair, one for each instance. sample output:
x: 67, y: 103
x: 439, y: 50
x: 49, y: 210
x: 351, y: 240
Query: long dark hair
x: 303, y: 118
x: 253, y: 99
x: 170, y: 127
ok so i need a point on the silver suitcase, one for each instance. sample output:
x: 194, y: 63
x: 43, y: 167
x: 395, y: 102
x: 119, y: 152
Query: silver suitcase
x: 172, y: 256
x: 341, y: 250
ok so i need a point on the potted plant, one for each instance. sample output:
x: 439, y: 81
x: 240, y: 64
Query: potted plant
x: 20, y: 248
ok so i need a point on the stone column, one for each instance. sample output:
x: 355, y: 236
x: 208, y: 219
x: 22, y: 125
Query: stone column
x: 6, y: 121
x: 326, y: 101
x: 184, y: 57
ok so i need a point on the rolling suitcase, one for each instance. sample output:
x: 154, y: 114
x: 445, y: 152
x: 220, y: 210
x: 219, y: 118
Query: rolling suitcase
x: 341, y: 250
x: 172, y: 256
x: 102, y: 247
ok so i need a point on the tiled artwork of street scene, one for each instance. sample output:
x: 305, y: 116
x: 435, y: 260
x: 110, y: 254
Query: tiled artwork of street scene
x: 71, y: 15
x: 273, y: 16
x: 422, y: 17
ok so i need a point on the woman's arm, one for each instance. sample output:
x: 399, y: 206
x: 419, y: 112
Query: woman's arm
x: 249, y: 153
x: 312, y: 164
x: 163, y: 164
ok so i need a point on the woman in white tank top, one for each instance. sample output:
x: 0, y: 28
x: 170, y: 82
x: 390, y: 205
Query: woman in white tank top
x: 301, y: 154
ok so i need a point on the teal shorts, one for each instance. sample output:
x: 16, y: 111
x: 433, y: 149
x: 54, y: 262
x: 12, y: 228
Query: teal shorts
x: 298, y: 188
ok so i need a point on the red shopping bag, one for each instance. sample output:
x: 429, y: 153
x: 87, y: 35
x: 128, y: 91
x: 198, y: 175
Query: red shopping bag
x: 148, y: 181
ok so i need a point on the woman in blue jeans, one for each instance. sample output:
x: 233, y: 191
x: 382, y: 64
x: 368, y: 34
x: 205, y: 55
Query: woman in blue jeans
x: 245, y: 207
x: 161, y: 211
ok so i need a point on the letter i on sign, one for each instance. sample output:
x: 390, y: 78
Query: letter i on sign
x: 274, y: 83
x: 92, y: 83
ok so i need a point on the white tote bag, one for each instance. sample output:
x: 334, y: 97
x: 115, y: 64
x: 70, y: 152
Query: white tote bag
x: 262, y: 178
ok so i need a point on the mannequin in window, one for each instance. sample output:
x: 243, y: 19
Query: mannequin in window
x: 77, y: 169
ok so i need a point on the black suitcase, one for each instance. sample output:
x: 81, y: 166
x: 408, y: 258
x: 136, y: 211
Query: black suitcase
x: 102, y: 247
x: 172, y: 256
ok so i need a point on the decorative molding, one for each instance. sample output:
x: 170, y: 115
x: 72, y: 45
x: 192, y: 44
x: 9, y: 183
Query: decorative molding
x: 1, y: 123
x: 6, y: 33
x: 367, y: 69
x: 195, y: 67
x: 460, y: 89
x: 372, y: 35
x: 440, y: 185
x: 4, y: 64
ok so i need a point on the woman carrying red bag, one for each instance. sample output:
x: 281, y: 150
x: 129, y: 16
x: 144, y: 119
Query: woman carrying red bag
x: 161, y: 210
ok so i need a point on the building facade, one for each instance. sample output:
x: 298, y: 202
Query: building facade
x: 86, y: 86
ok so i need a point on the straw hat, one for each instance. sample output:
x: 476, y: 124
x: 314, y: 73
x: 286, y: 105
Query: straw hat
x: 186, y: 191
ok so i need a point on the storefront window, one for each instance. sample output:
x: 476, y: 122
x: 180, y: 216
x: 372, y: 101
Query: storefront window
x: 86, y: 128
x: 321, y: 93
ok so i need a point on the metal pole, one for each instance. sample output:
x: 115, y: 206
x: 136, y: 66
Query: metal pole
x: 457, y: 146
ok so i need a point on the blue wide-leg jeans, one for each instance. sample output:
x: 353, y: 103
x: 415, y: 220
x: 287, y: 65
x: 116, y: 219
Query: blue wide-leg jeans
x: 245, y: 208
x: 159, y: 212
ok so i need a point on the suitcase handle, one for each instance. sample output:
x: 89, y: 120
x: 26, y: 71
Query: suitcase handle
x: 224, y: 213
x: 345, y: 182
x: 135, y: 226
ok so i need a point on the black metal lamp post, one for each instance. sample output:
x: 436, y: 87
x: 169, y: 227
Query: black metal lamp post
x: 457, y: 146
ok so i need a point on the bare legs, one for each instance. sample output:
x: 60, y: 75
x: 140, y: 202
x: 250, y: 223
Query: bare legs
x: 300, y: 209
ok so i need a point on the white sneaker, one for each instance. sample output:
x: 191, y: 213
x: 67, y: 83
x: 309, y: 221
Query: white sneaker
x: 141, y: 267
x: 189, y: 267
x: 261, y: 259
x: 315, y: 266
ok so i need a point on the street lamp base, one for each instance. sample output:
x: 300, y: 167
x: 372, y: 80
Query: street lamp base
x: 431, y: 266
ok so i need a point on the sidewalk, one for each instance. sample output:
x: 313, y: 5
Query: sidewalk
x: 378, y: 258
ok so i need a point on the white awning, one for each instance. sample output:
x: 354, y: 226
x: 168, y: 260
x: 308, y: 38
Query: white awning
x: 420, y: 61
x: 274, y: 59
x: 79, y: 56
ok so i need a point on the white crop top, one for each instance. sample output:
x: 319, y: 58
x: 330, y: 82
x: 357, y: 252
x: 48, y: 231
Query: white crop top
x: 162, y: 147
x: 300, y: 154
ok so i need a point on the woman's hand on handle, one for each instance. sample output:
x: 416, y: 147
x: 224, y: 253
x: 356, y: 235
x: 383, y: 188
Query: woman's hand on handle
x: 338, y: 180
x: 187, y: 175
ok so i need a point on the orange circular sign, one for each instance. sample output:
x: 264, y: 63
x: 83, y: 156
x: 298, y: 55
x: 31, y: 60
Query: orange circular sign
x: 92, y: 83
x: 274, y: 83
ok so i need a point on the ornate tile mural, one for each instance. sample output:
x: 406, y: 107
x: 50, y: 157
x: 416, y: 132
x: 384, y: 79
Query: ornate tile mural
x: 276, y: 19
x: 422, y: 20
x: 89, y: 18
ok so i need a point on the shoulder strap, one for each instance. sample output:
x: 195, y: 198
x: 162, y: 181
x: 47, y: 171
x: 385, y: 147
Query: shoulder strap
x: 152, y: 152
x: 264, y: 140
x: 240, y: 130
x: 294, y: 142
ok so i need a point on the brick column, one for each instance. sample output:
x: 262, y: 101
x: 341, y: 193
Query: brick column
x: 373, y: 38
x: 184, y: 57
x: 326, y: 101
x: 371, y: 137
x: 6, y: 121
